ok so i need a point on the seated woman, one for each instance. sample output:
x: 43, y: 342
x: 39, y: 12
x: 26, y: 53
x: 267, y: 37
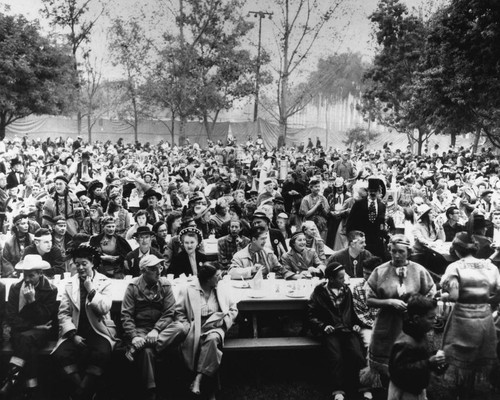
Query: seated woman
x: 190, y: 258
x: 86, y: 330
x: 301, y: 262
x: 141, y: 219
x: 313, y: 239
x: 207, y: 310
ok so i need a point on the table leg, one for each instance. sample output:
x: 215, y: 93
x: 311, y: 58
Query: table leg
x: 254, y: 325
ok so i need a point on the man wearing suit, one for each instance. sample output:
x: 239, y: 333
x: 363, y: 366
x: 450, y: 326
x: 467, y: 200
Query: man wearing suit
x: 144, y: 237
x: 353, y: 256
x: 15, y: 176
x: 274, y: 239
x: 368, y: 216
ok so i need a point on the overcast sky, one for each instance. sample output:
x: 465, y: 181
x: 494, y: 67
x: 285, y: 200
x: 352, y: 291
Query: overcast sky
x: 354, y: 26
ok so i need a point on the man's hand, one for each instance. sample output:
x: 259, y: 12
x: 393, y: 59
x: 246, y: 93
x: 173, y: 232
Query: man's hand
x: 89, y: 286
x: 29, y: 293
x: 45, y: 327
x: 329, y: 329
x: 356, y: 328
x: 152, y: 337
x: 79, y: 341
x: 138, y: 342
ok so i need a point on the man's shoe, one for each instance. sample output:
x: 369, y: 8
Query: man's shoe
x: 10, y: 380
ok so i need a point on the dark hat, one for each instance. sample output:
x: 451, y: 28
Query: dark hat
x: 85, y: 251
x: 429, y: 178
x: 376, y: 184
x: 278, y: 200
x: 268, y: 181
x: 19, y: 217
x: 260, y: 215
x: 107, y: 220
x: 192, y: 229
x: 15, y: 161
x: 194, y: 197
x: 11, y: 185
x: 152, y: 193
x: 58, y: 219
x: 81, y: 193
x: 94, y: 185
x: 143, y: 230
x: 477, y: 221
x: 61, y: 178
x: 86, y: 155
x: 486, y: 192
x: 313, y: 182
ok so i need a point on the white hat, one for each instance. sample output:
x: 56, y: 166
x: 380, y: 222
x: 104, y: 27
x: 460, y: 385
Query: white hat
x: 32, y: 262
x: 149, y: 261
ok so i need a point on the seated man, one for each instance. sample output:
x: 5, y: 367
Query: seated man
x: 42, y: 245
x: 230, y: 244
x: 452, y: 226
x: 31, y: 310
x: 354, y: 255
x: 144, y: 236
x: 148, y: 311
x: 247, y: 262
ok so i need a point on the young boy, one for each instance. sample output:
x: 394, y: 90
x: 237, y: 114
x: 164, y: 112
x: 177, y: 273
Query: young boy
x: 410, y: 363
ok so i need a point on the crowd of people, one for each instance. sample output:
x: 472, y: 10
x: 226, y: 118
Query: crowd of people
x: 104, y: 211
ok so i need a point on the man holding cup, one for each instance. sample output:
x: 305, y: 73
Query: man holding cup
x: 31, y: 310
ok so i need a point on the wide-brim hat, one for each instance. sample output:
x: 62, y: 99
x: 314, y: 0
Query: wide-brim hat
x: 32, y: 262
x: 486, y: 192
x: 85, y: 251
x: 421, y: 210
x: 94, y: 185
x: 195, y: 197
x: 192, y: 229
x: 152, y: 193
x: 143, y: 230
x: 377, y: 184
x: 339, y: 182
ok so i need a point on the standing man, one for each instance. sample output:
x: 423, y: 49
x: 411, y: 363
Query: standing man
x: 31, y: 309
x: 16, y: 174
x: 148, y: 311
x: 368, y: 216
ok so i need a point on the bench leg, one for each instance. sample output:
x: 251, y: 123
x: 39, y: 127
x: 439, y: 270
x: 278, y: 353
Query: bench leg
x: 255, y: 326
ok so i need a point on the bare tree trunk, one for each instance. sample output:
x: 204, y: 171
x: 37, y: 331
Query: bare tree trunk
x: 476, y: 140
x: 3, y: 125
x: 453, y: 139
x: 208, y: 127
x: 284, y: 78
x: 182, y: 131
x: 172, y: 131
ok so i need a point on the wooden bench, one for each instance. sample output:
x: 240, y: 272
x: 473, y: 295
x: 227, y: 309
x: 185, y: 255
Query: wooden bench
x: 231, y: 344
x: 6, y: 349
x: 277, y: 343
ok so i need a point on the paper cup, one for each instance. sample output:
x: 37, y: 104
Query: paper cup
x: 271, y: 275
x: 57, y: 278
x: 128, y: 277
x: 67, y: 275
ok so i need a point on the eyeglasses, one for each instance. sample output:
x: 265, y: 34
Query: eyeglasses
x: 161, y: 230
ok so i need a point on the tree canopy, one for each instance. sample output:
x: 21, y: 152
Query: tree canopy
x: 35, y: 73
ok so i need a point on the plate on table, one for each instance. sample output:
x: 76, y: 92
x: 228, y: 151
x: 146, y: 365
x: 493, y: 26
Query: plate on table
x: 241, y: 284
x: 256, y: 294
x: 295, y: 295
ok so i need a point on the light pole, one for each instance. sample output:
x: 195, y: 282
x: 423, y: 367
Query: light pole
x: 260, y: 15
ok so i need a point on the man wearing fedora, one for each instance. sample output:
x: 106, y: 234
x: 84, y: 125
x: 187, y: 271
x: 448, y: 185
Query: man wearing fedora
x: 148, y: 319
x: 143, y: 236
x: 368, y: 216
x: 31, y: 311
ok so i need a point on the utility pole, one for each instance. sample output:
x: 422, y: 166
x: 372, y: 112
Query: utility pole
x: 261, y: 15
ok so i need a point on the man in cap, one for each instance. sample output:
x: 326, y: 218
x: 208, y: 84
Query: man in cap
x: 61, y: 238
x: 148, y: 319
x: 31, y: 310
x: 143, y: 236
x: 43, y: 246
x: 368, y: 216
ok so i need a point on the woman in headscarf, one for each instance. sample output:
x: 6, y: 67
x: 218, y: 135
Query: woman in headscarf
x: 388, y: 288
